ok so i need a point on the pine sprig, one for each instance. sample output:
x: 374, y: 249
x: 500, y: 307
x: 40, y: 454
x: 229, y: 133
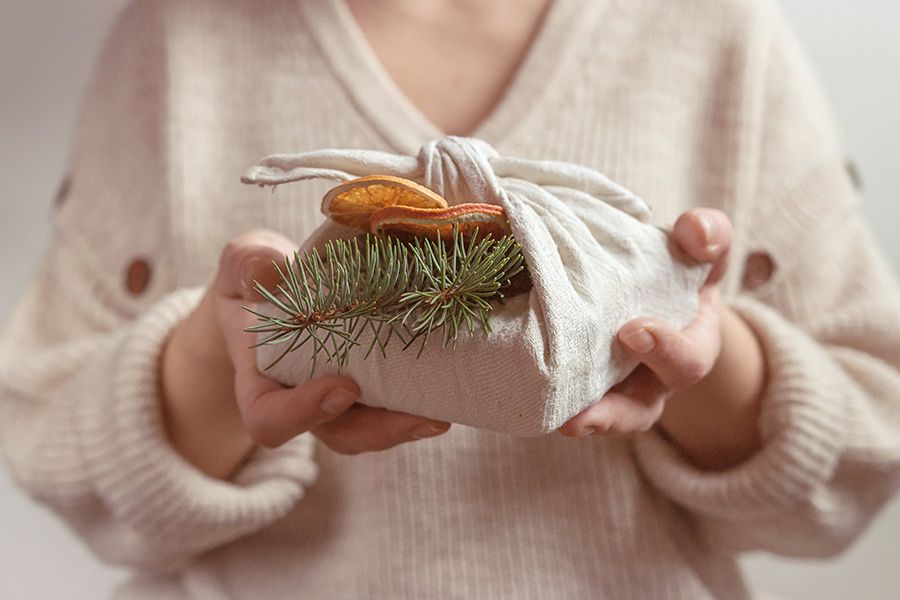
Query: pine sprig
x: 388, y: 287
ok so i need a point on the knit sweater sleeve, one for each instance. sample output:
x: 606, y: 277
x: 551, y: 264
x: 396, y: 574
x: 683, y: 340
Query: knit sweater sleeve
x: 828, y: 324
x: 80, y: 416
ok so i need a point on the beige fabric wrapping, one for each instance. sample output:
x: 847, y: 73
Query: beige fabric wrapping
x: 595, y: 262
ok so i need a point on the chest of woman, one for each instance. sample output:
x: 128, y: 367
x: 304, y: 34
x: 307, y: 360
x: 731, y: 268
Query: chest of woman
x: 652, y: 123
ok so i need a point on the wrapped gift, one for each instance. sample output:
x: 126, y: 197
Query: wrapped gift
x: 593, y: 263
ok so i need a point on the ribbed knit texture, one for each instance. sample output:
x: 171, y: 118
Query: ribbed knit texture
x: 694, y: 103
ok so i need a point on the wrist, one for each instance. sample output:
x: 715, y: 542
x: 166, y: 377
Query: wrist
x: 199, y: 340
x: 715, y: 422
x: 194, y: 363
x: 201, y: 416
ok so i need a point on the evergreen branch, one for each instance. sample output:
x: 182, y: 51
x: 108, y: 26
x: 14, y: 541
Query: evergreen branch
x: 388, y: 287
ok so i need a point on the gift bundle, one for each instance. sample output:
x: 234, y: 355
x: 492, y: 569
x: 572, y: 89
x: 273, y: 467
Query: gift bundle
x: 466, y: 286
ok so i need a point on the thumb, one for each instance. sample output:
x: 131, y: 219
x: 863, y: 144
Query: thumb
x: 251, y: 258
x: 706, y: 235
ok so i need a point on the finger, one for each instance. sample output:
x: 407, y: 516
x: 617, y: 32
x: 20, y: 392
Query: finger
x: 705, y: 234
x: 629, y: 407
x: 273, y: 414
x: 245, y: 259
x: 678, y: 358
x: 366, y: 429
x: 250, y: 258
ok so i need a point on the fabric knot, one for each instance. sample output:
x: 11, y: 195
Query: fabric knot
x: 459, y: 169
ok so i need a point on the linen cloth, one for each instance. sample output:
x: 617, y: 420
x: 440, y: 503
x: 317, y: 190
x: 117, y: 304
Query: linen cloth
x: 594, y: 260
x: 693, y: 103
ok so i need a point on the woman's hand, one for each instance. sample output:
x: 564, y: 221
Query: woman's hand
x: 702, y: 384
x: 218, y: 406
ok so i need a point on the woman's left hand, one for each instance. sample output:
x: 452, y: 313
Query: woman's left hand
x: 678, y: 377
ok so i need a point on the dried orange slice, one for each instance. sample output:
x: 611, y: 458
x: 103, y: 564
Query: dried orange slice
x: 407, y: 221
x: 353, y: 202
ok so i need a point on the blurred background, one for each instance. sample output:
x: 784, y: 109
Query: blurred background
x: 46, y: 52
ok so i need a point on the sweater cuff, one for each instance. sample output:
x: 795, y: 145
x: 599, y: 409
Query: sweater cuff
x: 801, y: 420
x: 142, y: 478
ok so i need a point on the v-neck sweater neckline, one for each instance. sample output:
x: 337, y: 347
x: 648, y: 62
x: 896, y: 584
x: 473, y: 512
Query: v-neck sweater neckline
x: 391, y: 112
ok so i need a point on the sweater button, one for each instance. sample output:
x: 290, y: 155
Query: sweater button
x: 137, y: 277
x: 758, y: 269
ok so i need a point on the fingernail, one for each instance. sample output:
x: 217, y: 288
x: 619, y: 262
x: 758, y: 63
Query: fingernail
x: 640, y: 341
x: 247, y: 273
x: 425, y: 430
x: 709, y: 230
x: 587, y: 431
x: 337, y: 401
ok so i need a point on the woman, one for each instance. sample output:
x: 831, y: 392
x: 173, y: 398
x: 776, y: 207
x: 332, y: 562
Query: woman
x: 137, y: 413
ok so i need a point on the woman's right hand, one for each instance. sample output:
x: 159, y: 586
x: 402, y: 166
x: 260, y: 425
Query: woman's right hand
x: 218, y: 406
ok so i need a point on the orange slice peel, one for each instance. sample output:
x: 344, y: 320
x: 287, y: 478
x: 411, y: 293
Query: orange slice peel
x: 353, y: 202
x: 405, y: 221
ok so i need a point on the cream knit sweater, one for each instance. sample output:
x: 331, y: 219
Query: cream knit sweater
x: 691, y: 103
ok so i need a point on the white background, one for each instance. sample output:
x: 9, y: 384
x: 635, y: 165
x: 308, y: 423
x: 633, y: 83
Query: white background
x: 46, y: 51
